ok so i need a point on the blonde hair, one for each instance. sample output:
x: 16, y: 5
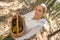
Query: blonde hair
x: 44, y: 7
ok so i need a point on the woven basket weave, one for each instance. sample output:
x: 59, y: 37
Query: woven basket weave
x: 17, y: 26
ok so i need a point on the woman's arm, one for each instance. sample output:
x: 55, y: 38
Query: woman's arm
x: 33, y: 31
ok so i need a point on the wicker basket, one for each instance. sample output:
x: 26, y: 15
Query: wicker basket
x: 17, y: 26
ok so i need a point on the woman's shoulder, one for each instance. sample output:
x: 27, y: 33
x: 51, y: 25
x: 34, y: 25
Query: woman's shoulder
x: 29, y: 15
x: 42, y: 21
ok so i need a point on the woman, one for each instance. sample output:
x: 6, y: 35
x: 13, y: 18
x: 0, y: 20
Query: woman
x: 34, y: 21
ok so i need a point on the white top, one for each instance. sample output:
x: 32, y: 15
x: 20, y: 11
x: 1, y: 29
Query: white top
x: 33, y: 26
